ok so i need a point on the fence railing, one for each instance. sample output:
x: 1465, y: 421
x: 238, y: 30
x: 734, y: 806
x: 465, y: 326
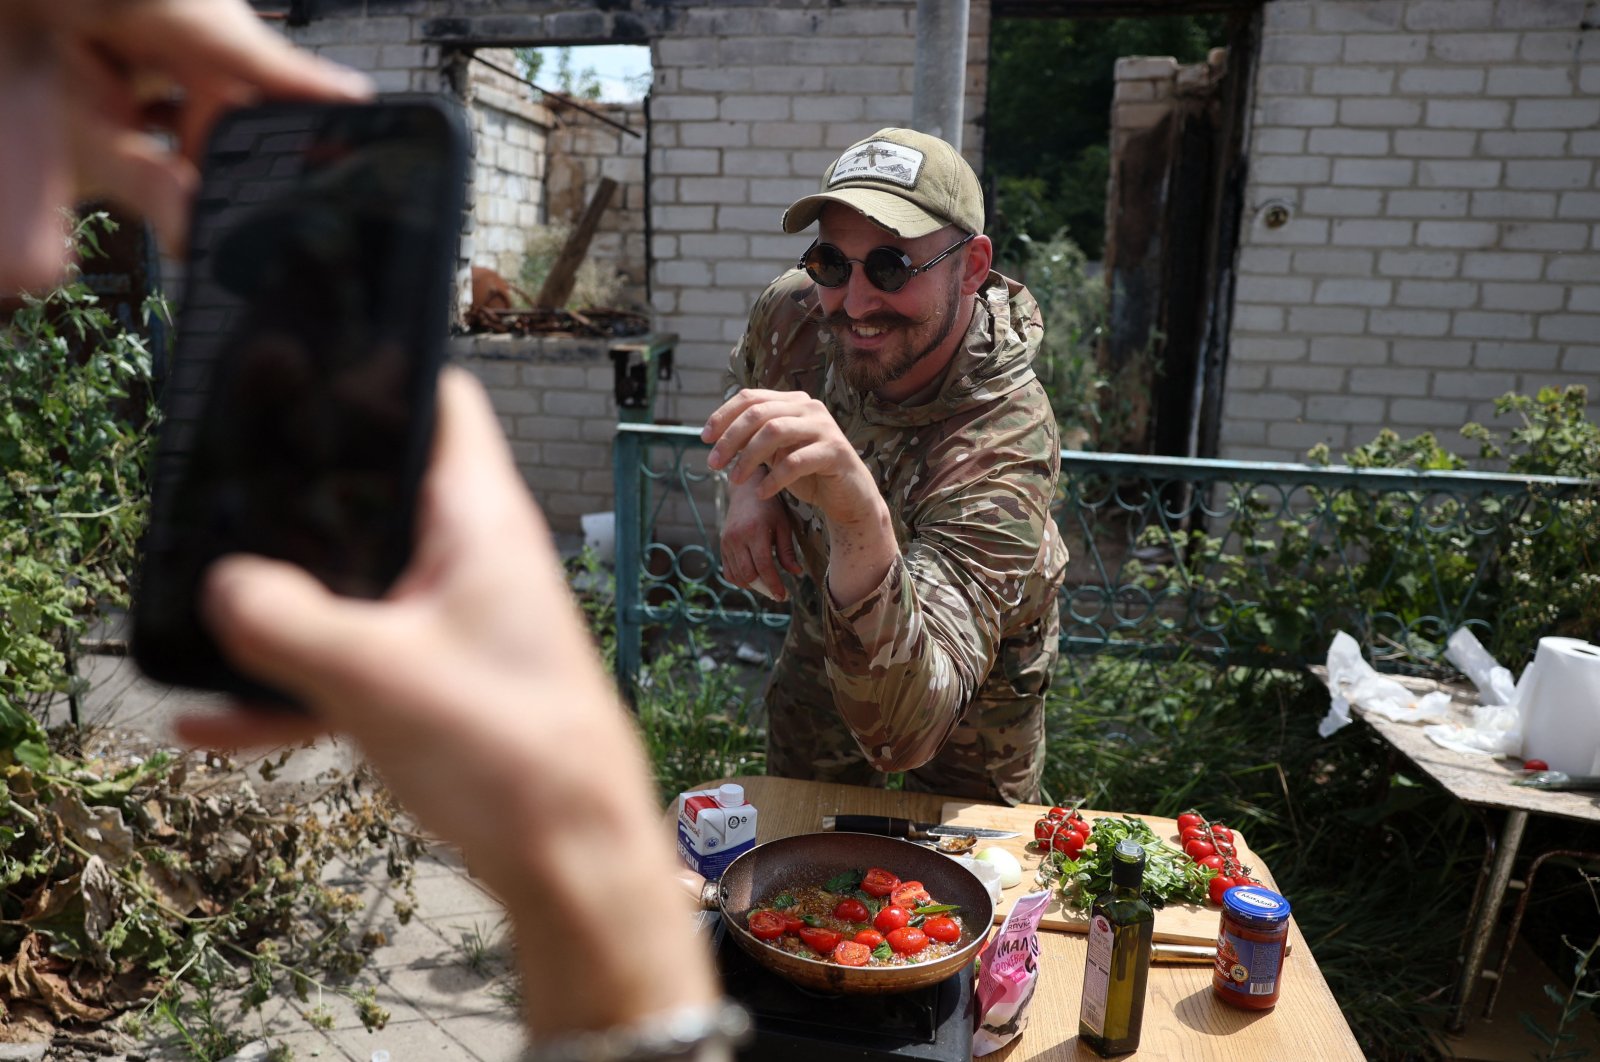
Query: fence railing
x: 1223, y: 561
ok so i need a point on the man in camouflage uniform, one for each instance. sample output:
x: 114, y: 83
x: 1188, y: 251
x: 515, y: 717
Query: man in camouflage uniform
x: 891, y: 460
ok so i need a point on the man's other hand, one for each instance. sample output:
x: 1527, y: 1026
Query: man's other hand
x: 756, y: 539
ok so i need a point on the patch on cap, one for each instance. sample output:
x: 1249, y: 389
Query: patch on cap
x: 880, y: 160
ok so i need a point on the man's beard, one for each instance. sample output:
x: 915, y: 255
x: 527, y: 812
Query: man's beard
x: 912, y: 342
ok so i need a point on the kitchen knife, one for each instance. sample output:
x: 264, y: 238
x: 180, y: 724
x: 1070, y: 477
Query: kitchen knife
x: 1560, y: 780
x: 911, y: 831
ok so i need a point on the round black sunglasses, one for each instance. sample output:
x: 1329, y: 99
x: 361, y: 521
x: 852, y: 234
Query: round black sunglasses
x: 886, y: 268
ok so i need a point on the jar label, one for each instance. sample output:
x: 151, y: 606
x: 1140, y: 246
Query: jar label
x: 1248, y: 967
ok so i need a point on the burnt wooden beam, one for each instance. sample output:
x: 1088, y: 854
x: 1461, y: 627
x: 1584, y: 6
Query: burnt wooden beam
x: 557, y: 285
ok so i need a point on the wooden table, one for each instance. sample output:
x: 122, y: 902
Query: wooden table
x: 1181, y: 1019
x: 1485, y: 782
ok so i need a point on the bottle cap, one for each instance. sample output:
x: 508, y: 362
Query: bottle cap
x: 1127, y: 864
x: 730, y: 795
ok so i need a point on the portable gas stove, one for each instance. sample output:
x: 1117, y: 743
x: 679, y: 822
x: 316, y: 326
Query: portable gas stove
x: 794, y: 1024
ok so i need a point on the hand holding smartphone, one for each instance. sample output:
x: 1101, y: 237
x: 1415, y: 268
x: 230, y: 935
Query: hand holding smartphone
x: 298, y: 410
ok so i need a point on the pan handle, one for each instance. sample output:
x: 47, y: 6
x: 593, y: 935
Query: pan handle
x: 706, y: 893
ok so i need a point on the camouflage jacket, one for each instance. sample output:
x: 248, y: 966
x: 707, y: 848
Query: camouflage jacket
x: 969, y: 477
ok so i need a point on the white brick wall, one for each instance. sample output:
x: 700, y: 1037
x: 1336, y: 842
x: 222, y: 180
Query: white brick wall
x: 749, y: 105
x: 510, y: 133
x: 1438, y: 157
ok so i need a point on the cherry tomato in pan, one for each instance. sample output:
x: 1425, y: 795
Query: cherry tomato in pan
x: 850, y: 953
x: 909, y: 895
x: 945, y: 930
x: 821, y: 941
x: 791, y: 924
x: 767, y: 925
x: 908, y: 941
x: 891, y: 918
x: 879, y: 882
x: 870, y: 937
x: 851, y: 911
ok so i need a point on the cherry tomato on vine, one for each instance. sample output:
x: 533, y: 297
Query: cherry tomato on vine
x: 1214, y: 861
x: 1069, y: 843
x: 1199, y: 849
x: 1192, y: 833
x: 1222, y: 833
x: 1060, y: 813
x: 1082, y: 828
x: 1045, y: 829
x: 1220, y: 885
x: 1188, y: 819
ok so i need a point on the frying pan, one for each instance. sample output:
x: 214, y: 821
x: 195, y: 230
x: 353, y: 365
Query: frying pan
x: 815, y: 857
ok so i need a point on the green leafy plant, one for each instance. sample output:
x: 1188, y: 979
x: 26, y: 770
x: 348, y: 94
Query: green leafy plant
x: 144, y: 884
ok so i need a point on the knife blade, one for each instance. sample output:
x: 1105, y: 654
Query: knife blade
x: 911, y: 831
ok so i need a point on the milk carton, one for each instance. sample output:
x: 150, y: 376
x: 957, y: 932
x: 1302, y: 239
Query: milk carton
x: 714, y: 827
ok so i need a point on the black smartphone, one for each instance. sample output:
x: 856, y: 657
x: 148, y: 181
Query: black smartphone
x: 298, y: 406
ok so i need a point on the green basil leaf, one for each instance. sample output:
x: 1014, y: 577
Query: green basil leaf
x: 814, y: 921
x: 845, y: 881
x: 937, y: 908
x: 883, y: 951
x: 784, y: 900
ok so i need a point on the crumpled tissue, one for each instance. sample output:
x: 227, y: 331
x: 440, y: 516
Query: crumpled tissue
x: 1496, y: 728
x: 1351, y: 680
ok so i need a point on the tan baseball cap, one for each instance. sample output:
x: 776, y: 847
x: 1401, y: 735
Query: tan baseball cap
x: 908, y: 182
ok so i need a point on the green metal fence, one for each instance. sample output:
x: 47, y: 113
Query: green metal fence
x: 1223, y: 561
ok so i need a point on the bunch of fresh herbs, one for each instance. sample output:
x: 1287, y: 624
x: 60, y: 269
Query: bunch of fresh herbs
x: 1168, y: 873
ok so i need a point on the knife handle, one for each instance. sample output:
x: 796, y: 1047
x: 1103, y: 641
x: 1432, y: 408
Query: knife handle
x: 879, y: 824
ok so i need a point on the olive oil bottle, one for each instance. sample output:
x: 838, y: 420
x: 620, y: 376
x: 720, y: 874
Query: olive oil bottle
x: 1121, y: 927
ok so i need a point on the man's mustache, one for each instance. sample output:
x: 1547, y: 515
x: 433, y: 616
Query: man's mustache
x: 838, y: 321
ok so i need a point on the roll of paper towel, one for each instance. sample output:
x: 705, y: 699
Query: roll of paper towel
x: 1561, y: 705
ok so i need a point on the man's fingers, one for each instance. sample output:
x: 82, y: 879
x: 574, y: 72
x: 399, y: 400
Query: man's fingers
x: 809, y: 460
x: 786, y: 551
x: 136, y: 171
x: 196, y: 39
x: 278, y: 624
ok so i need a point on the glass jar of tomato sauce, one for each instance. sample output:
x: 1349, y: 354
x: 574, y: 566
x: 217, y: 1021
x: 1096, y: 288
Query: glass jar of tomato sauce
x: 1250, y: 947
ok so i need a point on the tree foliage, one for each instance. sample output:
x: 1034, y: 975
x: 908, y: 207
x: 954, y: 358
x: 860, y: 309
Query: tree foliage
x: 1049, y: 119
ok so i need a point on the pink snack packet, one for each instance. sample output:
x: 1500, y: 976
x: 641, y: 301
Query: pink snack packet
x: 1008, y: 972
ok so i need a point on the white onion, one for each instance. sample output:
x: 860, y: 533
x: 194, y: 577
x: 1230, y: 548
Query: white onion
x: 1005, y: 862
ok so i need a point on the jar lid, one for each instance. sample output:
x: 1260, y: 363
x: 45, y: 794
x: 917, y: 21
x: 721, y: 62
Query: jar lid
x: 1255, y: 903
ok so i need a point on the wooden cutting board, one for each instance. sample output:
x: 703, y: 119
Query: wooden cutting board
x: 1177, y: 923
